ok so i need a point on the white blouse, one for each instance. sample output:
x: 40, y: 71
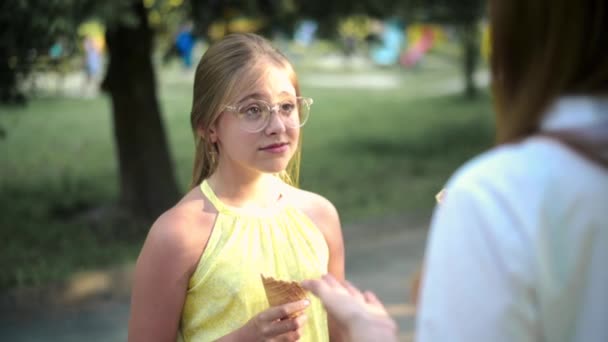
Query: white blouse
x: 518, y: 250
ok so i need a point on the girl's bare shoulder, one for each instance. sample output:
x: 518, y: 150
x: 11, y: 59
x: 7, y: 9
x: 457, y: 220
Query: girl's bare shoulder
x: 183, y: 230
x: 318, y: 208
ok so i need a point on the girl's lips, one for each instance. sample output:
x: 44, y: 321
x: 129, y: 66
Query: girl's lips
x: 276, y: 148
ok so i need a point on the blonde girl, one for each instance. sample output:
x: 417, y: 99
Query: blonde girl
x: 198, y: 275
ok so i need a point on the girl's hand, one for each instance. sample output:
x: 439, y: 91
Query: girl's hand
x: 275, y: 324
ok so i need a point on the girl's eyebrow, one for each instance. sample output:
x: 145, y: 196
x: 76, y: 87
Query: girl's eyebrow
x: 260, y: 96
x: 251, y: 96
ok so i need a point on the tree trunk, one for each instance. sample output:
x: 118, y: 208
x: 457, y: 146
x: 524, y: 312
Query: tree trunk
x: 9, y: 91
x: 470, y: 49
x: 147, y: 181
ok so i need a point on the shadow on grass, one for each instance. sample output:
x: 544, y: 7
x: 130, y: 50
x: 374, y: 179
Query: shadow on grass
x: 50, y: 232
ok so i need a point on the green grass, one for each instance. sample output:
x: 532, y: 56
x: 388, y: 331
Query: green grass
x: 372, y: 152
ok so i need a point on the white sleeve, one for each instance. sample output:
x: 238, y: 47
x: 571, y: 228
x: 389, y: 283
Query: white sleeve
x: 477, y: 271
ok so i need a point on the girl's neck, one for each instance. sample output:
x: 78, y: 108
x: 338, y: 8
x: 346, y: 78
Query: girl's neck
x: 257, y: 190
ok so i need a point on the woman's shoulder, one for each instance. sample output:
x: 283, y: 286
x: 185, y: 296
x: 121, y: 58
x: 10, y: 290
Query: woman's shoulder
x: 530, y: 163
x: 520, y: 180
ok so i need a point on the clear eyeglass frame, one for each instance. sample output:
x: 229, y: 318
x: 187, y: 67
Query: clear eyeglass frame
x: 254, y: 116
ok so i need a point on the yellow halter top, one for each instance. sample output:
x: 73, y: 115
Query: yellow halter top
x: 225, y: 291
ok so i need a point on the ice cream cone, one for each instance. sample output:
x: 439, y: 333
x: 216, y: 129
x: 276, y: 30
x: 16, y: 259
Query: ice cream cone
x: 279, y: 292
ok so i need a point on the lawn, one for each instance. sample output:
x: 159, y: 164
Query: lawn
x: 374, y: 149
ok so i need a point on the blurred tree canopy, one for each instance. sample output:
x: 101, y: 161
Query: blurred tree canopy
x: 283, y: 15
x: 28, y: 28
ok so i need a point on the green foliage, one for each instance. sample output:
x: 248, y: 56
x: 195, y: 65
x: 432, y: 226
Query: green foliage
x: 284, y: 14
x: 166, y: 16
x: 275, y: 14
x: 28, y: 29
x: 445, y: 11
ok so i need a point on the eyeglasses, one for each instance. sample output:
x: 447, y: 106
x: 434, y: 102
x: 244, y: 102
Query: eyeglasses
x: 254, y: 115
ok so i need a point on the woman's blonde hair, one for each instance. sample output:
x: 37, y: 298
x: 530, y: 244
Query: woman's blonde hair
x: 219, y: 76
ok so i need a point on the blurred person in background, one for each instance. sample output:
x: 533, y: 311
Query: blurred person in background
x: 184, y: 43
x: 93, y: 63
x: 516, y: 251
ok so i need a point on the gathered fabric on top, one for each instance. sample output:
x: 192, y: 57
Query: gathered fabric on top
x: 226, y: 291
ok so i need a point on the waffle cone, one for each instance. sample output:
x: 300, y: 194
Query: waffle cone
x: 279, y: 292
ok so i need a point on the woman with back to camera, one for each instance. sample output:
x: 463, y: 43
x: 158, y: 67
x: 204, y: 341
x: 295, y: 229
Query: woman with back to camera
x: 198, y: 275
x: 517, y: 248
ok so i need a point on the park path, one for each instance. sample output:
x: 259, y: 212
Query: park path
x: 381, y: 256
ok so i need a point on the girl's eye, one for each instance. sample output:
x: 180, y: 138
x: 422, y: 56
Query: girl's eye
x: 287, y: 107
x: 253, y: 111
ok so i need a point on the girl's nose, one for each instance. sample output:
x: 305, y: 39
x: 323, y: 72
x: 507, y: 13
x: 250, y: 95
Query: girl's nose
x: 275, y: 123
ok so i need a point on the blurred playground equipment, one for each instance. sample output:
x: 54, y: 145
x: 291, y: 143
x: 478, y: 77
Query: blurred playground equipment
x: 388, y: 43
x: 422, y: 38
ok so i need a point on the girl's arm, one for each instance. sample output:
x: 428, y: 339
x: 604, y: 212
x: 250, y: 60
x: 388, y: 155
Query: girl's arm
x: 335, y: 242
x: 167, y: 259
x: 326, y: 218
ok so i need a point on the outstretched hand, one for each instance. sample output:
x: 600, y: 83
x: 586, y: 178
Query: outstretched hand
x: 362, y: 315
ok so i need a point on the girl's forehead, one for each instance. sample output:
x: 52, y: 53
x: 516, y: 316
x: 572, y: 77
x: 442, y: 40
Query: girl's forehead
x: 266, y: 82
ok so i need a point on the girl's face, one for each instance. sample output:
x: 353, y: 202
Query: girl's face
x: 267, y: 147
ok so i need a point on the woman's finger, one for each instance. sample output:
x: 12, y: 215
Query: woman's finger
x: 324, y: 287
x: 316, y: 286
x: 353, y: 291
x: 371, y: 298
x: 331, y: 281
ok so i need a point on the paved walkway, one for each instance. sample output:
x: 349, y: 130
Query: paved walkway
x: 381, y: 256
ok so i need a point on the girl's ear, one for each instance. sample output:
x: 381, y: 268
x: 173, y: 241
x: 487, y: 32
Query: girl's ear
x: 212, y: 132
x: 200, y: 131
x: 209, y: 133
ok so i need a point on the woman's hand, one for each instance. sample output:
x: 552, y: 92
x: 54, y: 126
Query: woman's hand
x: 362, y: 315
x: 277, y: 324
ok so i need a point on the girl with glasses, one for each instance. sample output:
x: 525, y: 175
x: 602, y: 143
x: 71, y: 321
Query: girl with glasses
x: 198, y: 277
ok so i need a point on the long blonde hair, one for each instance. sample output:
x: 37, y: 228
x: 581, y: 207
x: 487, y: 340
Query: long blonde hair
x: 223, y: 66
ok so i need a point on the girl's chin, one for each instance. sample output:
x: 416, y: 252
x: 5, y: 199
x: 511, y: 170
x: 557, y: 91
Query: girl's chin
x: 275, y: 167
x: 274, y: 170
